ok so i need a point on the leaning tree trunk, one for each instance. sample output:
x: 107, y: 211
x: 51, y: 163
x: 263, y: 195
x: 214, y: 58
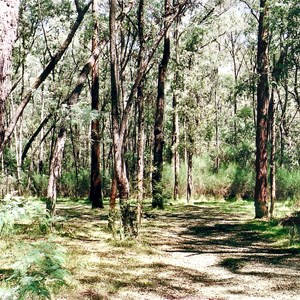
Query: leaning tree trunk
x: 9, y: 11
x: 157, y: 198
x: 261, y: 190
x: 6, y: 135
x: 56, y: 160
x: 96, y: 197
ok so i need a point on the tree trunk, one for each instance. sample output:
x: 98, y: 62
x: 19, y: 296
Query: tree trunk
x: 189, y: 186
x: 175, y: 129
x: 261, y: 190
x: 9, y: 11
x: 157, y: 198
x: 55, y: 173
x: 118, y: 137
x: 273, y: 152
x: 217, y: 129
x: 141, y: 118
x: 96, y: 197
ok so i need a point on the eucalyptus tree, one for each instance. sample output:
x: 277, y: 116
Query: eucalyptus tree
x: 261, y: 191
x: 121, y: 111
x: 157, y: 197
x: 96, y: 196
x: 56, y: 161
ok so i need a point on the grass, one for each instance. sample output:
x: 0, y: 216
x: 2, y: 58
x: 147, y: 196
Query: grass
x: 103, y: 268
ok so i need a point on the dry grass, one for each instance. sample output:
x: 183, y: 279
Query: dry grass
x: 189, y: 252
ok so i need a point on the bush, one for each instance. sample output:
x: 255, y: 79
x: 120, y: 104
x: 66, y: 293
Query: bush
x: 38, y: 273
x: 231, y: 180
x: 15, y: 210
x: 70, y: 185
x: 288, y: 184
x: 39, y: 184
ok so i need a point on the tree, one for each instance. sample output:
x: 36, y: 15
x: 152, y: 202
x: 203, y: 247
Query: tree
x: 96, y: 188
x: 157, y: 198
x: 45, y: 73
x: 56, y: 161
x: 141, y: 117
x: 9, y: 10
x: 261, y: 191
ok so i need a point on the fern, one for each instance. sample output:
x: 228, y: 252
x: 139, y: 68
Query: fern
x: 40, y: 271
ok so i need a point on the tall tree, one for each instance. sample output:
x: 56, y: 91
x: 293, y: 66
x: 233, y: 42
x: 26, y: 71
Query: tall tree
x: 157, y: 199
x: 141, y: 117
x: 120, y: 117
x: 96, y: 197
x: 261, y: 191
x: 9, y: 10
x: 175, y: 121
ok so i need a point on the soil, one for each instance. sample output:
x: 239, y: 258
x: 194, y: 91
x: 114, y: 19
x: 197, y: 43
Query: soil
x: 193, y: 252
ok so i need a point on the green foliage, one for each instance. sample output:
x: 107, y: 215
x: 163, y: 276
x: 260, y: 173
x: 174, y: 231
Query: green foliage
x: 71, y: 185
x: 39, y: 184
x: 15, y: 210
x: 231, y: 180
x: 39, y: 272
x: 288, y: 184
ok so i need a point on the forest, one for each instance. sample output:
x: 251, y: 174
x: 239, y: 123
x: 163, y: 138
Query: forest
x: 149, y: 149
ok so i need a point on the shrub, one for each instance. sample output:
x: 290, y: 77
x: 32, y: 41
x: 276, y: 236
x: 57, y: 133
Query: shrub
x: 39, y: 272
x: 39, y: 184
x: 288, y: 184
x: 16, y: 209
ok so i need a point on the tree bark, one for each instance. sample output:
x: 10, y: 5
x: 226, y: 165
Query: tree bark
x: 96, y: 196
x: 261, y: 190
x: 189, y: 186
x: 118, y: 137
x: 157, y: 198
x: 9, y: 11
x: 55, y: 173
x: 273, y: 152
x: 175, y: 129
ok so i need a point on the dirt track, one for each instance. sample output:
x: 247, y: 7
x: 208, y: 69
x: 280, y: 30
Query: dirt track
x: 198, y: 253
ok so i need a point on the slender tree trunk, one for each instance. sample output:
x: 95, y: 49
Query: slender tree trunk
x: 9, y: 11
x: 118, y: 138
x: 217, y: 129
x: 55, y: 173
x: 189, y: 186
x: 141, y: 119
x: 157, y: 198
x: 96, y: 197
x: 261, y: 190
x: 76, y: 158
x: 273, y: 152
x: 41, y: 152
x: 175, y: 130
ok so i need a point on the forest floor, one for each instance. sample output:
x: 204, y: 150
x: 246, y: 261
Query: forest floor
x: 206, y: 251
x: 211, y: 250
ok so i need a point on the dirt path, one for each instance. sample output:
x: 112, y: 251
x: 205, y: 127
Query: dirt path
x: 193, y: 253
